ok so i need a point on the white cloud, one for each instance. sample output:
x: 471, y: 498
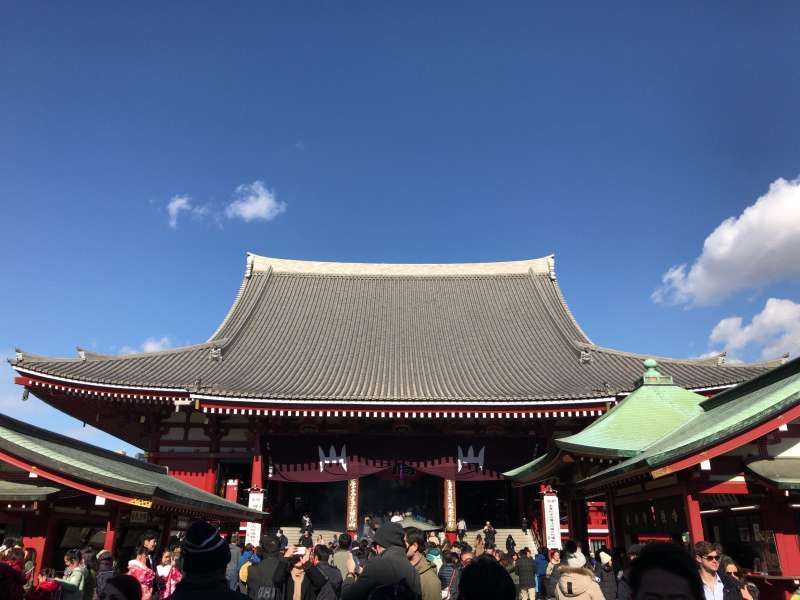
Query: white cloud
x: 760, y: 246
x: 775, y: 330
x: 151, y: 344
x: 179, y: 204
x: 254, y: 202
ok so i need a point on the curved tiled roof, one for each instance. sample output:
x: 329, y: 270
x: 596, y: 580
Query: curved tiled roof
x: 341, y: 331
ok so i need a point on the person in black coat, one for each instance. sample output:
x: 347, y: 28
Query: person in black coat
x: 260, y: 576
x: 606, y: 577
x: 205, y: 557
x: 295, y: 569
x: 525, y: 568
x: 511, y: 545
x: 390, y: 569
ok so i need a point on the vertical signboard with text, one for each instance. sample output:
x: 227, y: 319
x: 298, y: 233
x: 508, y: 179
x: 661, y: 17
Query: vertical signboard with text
x: 552, y: 521
x: 253, y: 532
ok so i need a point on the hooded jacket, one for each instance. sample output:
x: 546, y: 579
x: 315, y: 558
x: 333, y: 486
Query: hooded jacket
x: 577, y: 584
x: 428, y: 580
x: 390, y: 568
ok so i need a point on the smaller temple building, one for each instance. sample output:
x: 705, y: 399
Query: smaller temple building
x: 57, y: 493
x: 671, y: 464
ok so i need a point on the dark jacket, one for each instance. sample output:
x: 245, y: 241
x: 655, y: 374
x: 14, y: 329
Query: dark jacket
x: 510, y: 545
x: 541, y: 564
x: 205, y: 586
x: 232, y: 570
x: 260, y: 579
x: 105, y: 571
x: 624, y: 590
x: 526, y: 569
x: 332, y: 589
x: 731, y: 588
x: 445, y: 574
x: 607, y: 580
x: 312, y: 582
x: 552, y: 582
x: 391, y: 567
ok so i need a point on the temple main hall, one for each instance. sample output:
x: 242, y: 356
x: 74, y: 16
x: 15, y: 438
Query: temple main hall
x: 346, y: 389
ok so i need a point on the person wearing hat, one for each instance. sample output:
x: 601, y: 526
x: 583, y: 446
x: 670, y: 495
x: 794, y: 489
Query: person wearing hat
x: 391, y: 569
x: 205, y: 558
x: 624, y: 589
x: 606, y: 577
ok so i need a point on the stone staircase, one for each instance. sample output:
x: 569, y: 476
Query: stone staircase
x: 293, y: 533
x: 520, y: 538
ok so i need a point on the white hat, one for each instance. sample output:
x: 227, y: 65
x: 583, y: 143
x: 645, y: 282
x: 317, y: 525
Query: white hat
x: 396, y: 519
x: 605, y: 558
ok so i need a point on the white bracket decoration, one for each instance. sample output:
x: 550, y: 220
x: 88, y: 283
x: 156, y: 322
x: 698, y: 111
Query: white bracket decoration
x: 470, y: 458
x: 332, y: 458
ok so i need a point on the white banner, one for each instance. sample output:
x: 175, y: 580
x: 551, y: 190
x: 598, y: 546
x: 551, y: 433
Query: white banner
x: 552, y: 521
x: 253, y: 532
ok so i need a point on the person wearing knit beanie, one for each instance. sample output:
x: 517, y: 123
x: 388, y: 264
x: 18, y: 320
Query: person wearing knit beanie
x: 606, y: 577
x: 205, y: 556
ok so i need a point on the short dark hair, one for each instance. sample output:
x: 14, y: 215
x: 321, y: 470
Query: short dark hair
x: 345, y: 540
x: 149, y: 535
x: 270, y: 544
x: 322, y: 553
x: 703, y: 547
x: 484, y: 577
x: 671, y: 558
x: 416, y: 536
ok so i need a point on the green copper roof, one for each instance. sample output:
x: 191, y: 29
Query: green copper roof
x: 110, y: 471
x: 538, y: 469
x: 724, y: 416
x: 654, y: 409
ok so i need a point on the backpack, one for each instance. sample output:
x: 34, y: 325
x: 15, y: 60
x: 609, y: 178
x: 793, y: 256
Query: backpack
x: 332, y: 589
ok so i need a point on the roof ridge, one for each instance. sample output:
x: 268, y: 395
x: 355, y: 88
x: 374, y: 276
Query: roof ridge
x: 85, y: 355
x: 542, y: 265
x: 689, y: 361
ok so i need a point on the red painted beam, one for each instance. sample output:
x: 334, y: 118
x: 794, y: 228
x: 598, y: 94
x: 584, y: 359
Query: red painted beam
x: 730, y: 444
x: 51, y: 476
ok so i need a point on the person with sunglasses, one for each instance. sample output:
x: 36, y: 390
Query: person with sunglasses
x: 716, y: 585
x: 730, y: 567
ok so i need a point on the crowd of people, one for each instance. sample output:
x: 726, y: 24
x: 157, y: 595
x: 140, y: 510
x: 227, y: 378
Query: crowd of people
x: 91, y: 575
x: 396, y: 563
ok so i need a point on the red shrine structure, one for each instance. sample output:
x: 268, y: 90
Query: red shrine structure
x: 344, y: 389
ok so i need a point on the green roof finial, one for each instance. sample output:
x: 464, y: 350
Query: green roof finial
x: 652, y: 376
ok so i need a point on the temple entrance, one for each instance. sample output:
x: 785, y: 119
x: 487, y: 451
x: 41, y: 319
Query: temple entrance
x: 402, y: 490
x: 481, y: 501
x: 325, y: 502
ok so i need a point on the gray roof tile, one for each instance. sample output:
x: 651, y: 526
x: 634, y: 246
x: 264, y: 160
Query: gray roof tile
x: 333, y: 331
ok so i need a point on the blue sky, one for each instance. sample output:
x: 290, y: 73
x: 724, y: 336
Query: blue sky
x: 618, y: 137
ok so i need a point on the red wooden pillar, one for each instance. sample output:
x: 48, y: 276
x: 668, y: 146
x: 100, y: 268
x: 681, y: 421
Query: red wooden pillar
x: 694, y: 520
x: 37, y: 530
x: 232, y: 490
x: 112, y: 525
x: 778, y: 517
x: 257, y: 473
